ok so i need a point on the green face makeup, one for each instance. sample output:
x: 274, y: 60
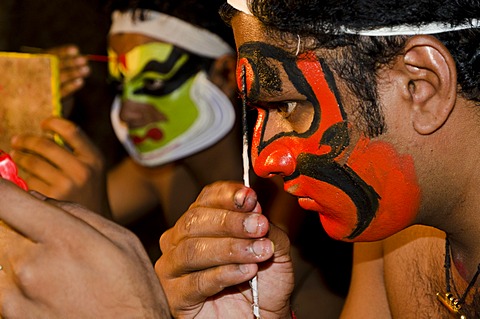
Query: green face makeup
x: 156, y: 85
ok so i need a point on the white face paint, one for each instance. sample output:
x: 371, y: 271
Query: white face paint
x: 215, y: 119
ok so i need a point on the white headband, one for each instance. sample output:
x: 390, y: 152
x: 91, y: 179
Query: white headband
x: 428, y: 28
x: 172, y: 30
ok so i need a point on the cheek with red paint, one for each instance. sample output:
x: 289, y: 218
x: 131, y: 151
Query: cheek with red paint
x: 390, y: 174
x: 337, y: 212
x: 393, y: 176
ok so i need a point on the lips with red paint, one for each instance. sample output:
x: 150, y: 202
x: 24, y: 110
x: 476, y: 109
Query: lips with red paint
x: 154, y: 134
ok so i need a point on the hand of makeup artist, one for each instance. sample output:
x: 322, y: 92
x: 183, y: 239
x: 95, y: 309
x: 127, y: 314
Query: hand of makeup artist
x: 76, y: 175
x: 73, y: 67
x: 215, y: 248
x: 60, y: 260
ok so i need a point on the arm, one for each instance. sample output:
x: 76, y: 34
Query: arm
x: 367, y: 296
x: 130, y: 191
x: 72, y: 175
x: 134, y: 189
x: 219, y: 244
x: 59, y: 259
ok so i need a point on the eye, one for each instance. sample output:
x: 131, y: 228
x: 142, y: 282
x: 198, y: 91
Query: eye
x: 286, y: 108
x: 153, y: 84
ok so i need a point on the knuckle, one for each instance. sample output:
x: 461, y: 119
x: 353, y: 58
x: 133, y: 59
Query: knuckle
x: 84, y: 174
x: 25, y: 277
x: 191, y: 249
x: 41, y: 143
x: 70, y: 129
x: 164, y: 241
x: 9, y: 307
x: 63, y: 186
x: 27, y: 162
x: 190, y: 219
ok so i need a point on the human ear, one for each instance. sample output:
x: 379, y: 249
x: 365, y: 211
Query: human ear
x: 222, y: 74
x: 432, y: 82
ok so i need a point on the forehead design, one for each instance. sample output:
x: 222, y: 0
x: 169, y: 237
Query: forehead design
x: 323, y: 144
x: 162, y: 58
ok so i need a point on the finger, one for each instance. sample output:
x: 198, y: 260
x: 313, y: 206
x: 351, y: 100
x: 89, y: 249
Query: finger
x: 70, y: 87
x: 281, y: 243
x: 73, y: 62
x: 209, y: 222
x: 13, y: 247
x: 44, y: 158
x: 13, y: 304
x: 75, y: 137
x: 228, y: 195
x: 64, y: 50
x: 203, y: 253
x: 74, y: 69
x: 33, y: 218
x: 38, y: 167
x: 102, y: 225
x: 196, y: 287
x: 39, y: 145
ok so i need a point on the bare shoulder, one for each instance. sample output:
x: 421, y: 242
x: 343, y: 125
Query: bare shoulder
x: 414, y: 272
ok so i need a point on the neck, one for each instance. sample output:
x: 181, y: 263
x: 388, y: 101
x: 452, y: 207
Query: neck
x: 455, y: 185
x: 465, y: 259
x: 462, y: 226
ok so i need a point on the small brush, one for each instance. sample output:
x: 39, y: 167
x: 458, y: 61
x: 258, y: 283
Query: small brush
x: 90, y: 57
x: 246, y: 178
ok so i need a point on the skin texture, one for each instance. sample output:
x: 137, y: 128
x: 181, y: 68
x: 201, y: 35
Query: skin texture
x: 80, y: 248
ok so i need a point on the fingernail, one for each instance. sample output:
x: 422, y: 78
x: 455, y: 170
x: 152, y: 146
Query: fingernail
x: 251, y: 224
x: 239, y: 198
x: 72, y: 50
x: 262, y: 247
x: 244, y: 269
x: 85, y: 70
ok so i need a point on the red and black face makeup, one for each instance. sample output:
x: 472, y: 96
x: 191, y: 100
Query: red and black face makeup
x: 303, y: 134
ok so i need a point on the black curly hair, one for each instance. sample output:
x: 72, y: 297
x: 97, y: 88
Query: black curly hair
x: 363, y: 56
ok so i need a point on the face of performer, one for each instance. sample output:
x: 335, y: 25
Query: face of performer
x: 156, y: 105
x: 362, y: 188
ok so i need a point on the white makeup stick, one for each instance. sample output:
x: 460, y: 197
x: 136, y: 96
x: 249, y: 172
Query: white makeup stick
x: 246, y: 180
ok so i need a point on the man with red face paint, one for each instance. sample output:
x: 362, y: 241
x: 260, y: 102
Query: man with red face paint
x: 372, y: 107
x: 366, y: 113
